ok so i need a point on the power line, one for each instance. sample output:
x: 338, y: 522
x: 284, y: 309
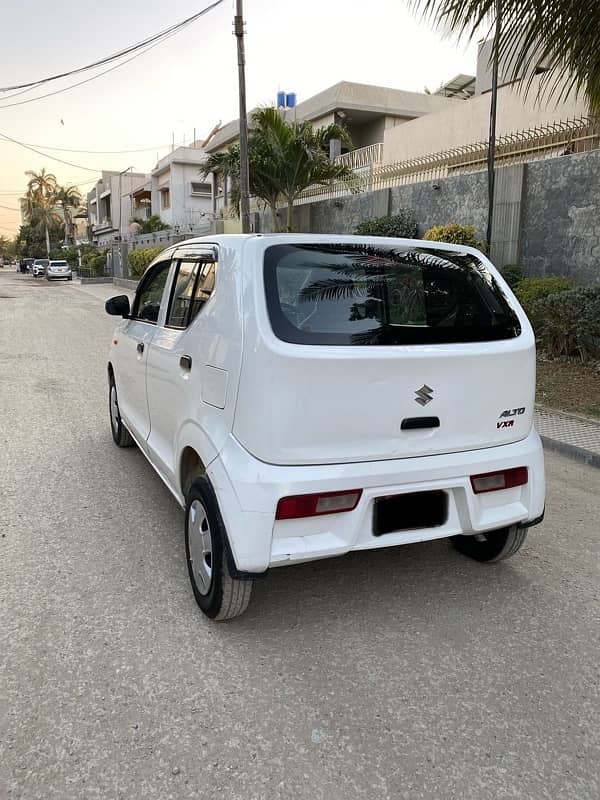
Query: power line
x: 47, y: 155
x: 88, y: 80
x: 9, y: 208
x: 132, y: 48
x: 99, y: 152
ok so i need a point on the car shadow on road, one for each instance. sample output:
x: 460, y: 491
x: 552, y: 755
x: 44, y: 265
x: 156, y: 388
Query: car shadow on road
x: 413, y: 584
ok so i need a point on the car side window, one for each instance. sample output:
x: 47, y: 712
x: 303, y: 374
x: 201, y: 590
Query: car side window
x: 147, y: 301
x: 192, y: 287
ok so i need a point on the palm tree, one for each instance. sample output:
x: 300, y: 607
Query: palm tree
x: 290, y: 157
x: 284, y: 159
x: 561, y: 34
x: 41, y: 201
x: 68, y: 197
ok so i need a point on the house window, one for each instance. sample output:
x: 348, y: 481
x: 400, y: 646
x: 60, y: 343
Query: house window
x: 201, y: 189
x: 165, y: 199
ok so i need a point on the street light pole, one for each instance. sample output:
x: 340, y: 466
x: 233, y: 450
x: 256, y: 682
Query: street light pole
x: 238, y: 29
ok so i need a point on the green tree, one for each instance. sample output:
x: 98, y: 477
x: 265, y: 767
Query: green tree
x: 151, y: 225
x: 7, y: 248
x: 68, y: 197
x: 562, y: 34
x: 285, y: 158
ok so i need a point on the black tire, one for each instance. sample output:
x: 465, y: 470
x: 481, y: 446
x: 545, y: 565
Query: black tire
x: 120, y: 434
x: 217, y: 592
x: 70, y: 279
x: 491, y: 546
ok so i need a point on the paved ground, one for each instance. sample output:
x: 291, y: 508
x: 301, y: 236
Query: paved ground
x: 409, y: 673
x: 569, y: 434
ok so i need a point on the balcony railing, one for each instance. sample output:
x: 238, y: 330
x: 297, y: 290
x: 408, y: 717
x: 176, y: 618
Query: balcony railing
x: 362, y: 157
x: 143, y: 212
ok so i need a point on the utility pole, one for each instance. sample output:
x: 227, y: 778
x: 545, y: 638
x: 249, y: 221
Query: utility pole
x: 238, y: 30
x: 492, y: 137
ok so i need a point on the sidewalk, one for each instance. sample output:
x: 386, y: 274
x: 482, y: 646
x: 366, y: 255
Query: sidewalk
x: 572, y: 436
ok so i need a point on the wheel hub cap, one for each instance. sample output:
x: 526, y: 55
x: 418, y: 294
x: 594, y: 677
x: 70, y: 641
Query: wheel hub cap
x: 200, y: 544
x: 114, y: 408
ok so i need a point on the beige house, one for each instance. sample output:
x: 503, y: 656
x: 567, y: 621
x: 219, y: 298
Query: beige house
x: 368, y: 112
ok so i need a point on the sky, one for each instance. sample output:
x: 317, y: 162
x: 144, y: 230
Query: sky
x: 189, y: 81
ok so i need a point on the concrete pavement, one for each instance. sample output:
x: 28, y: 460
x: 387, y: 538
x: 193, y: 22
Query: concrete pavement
x: 403, y: 673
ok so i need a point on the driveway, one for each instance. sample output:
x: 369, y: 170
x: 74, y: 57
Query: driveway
x: 402, y: 673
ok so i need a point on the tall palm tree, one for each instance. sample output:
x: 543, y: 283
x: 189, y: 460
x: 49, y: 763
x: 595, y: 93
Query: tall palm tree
x: 41, y: 201
x: 68, y: 197
x: 561, y: 34
x: 284, y: 159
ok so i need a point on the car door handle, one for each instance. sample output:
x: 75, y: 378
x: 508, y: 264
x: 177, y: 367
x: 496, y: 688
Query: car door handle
x: 185, y: 362
x: 140, y: 347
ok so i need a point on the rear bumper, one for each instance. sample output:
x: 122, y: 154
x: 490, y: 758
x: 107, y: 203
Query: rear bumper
x: 248, y: 490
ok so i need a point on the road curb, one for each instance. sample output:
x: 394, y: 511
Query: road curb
x: 572, y: 451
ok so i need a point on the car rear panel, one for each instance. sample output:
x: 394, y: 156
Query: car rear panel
x: 316, y: 405
x: 323, y: 404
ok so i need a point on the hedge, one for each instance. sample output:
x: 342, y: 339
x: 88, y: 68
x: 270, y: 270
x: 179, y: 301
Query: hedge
x: 454, y: 234
x: 139, y: 259
x: 569, y: 323
x: 530, y: 290
x: 402, y: 225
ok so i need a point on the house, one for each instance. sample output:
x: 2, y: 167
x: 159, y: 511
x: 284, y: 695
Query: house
x: 109, y: 206
x: 366, y: 111
x: 468, y: 122
x: 175, y: 191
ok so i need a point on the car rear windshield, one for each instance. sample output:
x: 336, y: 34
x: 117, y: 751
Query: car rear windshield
x: 346, y: 294
x: 58, y: 263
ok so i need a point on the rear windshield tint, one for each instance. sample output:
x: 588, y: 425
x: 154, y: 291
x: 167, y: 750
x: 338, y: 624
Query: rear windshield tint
x: 380, y: 295
x: 58, y: 263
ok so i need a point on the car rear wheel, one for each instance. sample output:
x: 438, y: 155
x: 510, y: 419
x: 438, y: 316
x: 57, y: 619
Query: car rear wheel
x: 493, y: 545
x: 220, y: 595
x: 120, y: 434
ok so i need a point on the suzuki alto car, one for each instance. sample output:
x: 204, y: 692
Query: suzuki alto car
x: 306, y: 396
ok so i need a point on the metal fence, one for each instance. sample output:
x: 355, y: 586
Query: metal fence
x: 560, y: 138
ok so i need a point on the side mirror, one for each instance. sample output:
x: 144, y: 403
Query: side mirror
x: 118, y: 306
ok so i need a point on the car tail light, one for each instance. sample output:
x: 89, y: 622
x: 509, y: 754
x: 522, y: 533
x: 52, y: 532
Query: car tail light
x: 503, y: 479
x: 314, y: 505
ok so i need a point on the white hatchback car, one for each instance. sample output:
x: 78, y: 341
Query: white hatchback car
x: 303, y: 396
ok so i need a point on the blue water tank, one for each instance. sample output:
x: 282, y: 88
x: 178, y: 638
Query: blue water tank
x: 290, y: 100
x: 280, y: 99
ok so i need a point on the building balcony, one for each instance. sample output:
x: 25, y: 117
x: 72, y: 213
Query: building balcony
x: 142, y: 212
x: 362, y: 157
x: 104, y: 224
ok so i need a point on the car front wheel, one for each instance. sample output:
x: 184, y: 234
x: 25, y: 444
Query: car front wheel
x: 493, y: 545
x: 219, y: 594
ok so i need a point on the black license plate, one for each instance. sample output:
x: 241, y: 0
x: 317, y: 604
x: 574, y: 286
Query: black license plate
x: 405, y: 512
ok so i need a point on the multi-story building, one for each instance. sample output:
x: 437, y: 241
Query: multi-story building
x: 175, y: 191
x: 109, y: 206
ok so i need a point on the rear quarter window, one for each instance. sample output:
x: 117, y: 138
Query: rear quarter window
x: 361, y: 294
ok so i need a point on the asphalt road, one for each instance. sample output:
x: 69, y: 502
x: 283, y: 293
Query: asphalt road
x: 404, y: 673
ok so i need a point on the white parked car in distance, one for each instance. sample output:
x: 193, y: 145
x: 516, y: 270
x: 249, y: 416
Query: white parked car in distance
x: 305, y: 396
x: 59, y: 270
x: 39, y: 267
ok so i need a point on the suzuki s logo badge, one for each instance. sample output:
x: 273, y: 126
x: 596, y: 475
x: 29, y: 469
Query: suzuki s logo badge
x: 424, y: 395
